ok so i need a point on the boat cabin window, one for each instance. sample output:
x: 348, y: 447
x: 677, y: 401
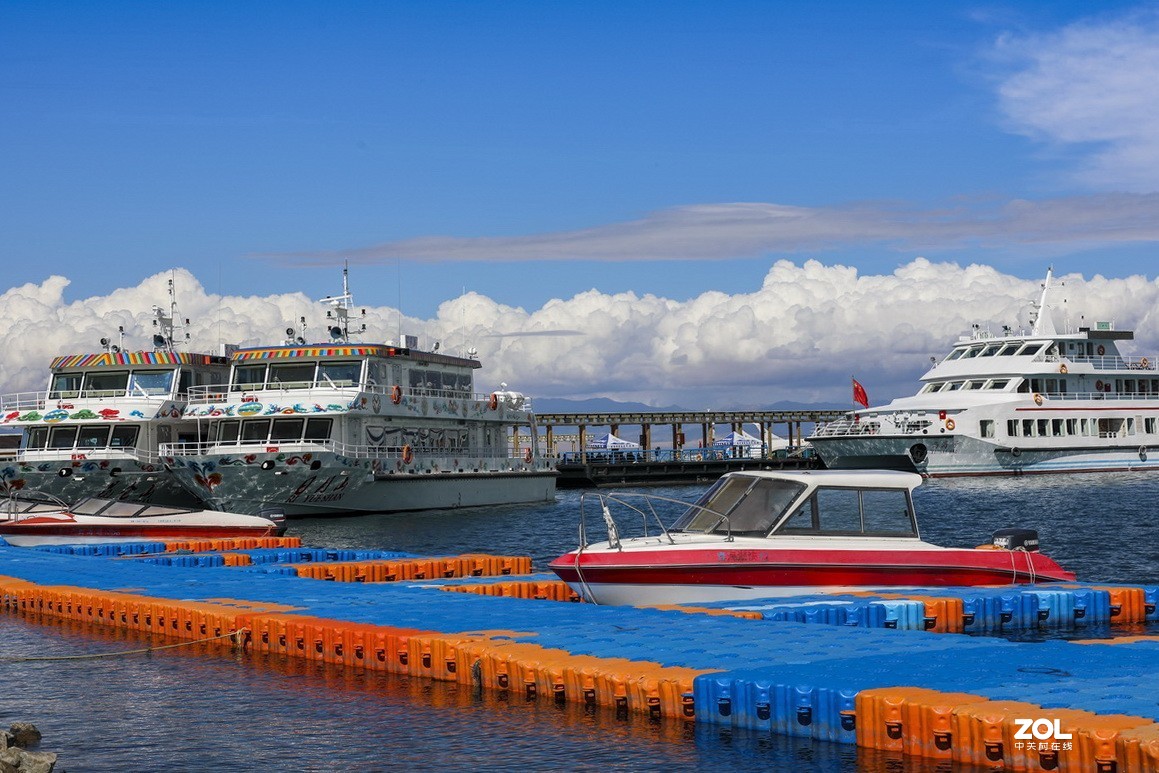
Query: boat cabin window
x: 1009, y: 349
x: 108, y: 384
x: 973, y: 385
x: 740, y: 506
x: 990, y: 350
x: 36, y: 437
x: 287, y: 429
x: 869, y: 512
x: 291, y: 375
x: 998, y: 383
x: 339, y: 374
x: 93, y: 437
x: 124, y: 437
x: 65, y: 385
x: 62, y: 437
x: 255, y: 430
x: 1032, y: 348
x: 151, y: 382
x: 318, y: 429
x: 227, y: 431
x: 249, y: 377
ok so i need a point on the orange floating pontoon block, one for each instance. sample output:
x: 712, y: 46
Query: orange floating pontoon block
x: 1128, y: 605
x: 984, y: 731
x: 745, y: 614
x: 1137, y: 748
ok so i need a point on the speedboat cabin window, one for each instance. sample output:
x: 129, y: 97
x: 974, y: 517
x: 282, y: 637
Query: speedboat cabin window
x: 124, y: 437
x: 287, y: 429
x: 109, y: 384
x: 339, y: 374
x: 62, y: 437
x: 151, y: 382
x: 93, y: 437
x: 255, y: 430
x: 834, y: 511
x: 249, y: 377
x: 740, y: 506
x: 65, y: 385
x: 291, y: 375
x: 318, y: 429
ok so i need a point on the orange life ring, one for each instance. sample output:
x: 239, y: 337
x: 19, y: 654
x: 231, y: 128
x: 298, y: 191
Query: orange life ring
x: 1062, y: 368
x: 950, y: 424
x: 408, y: 454
x: 1143, y: 362
x: 527, y: 455
x: 396, y: 394
x: 1101, y: 350
x: 493, y: 403
x: 1037, y: 399
x: 1099, y: 386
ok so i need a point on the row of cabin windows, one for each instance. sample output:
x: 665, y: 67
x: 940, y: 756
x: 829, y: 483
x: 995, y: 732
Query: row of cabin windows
x: 234, y: 431
x: 82, y: 436
x: 954, y: 386
x: 1101, y: 427
x: 304, y: 375
x: 113, y: 383
x: 997, y: 349
x: 1048, y: 386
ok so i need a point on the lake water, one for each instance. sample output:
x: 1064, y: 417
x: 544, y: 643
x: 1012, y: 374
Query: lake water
x: 192, y: 709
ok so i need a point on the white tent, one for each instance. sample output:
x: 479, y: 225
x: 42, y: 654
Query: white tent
x: 741, y: 438
x: 611, y: 442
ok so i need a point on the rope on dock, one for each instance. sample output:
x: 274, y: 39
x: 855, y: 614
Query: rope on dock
x: 239, y: 637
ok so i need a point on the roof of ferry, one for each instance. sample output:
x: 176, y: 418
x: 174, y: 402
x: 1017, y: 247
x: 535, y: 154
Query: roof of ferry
x: 360, y: 351
x: 135, y: 358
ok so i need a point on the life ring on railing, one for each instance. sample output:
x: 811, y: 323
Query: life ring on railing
x: 1062, y: 368
x: 1037, y: 399
x: 950, y: 425
x: 1144, y: 364
x: 408, y: 455
x: 396, y: 394
x: 527, y: 455
x: 1101, y: 350
x: 493, y: 403
x: 1099, y: 386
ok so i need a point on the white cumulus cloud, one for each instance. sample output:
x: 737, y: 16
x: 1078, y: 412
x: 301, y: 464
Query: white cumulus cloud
x: 799, y: 336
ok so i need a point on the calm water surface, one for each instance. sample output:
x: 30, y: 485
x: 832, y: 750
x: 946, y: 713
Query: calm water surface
x: 190, y: 709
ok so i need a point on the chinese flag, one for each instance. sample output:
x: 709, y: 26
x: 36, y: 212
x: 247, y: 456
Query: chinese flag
x: 859, y: 395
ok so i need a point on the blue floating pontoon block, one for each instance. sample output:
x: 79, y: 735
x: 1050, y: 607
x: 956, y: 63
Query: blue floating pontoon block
x: 1019, y: 610
x: 1056, y: 608
x: 713, y: 699
x: 835, y: 715
x: 1151, y: 602
x: 904, y: 615
x: 794, y: 710
x: 754, y: 705
x: 1092, y: 606
x: 867, y: 615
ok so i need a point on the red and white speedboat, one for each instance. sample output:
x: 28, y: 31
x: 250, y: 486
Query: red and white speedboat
x: 27, y: 523
x: 761, y: 534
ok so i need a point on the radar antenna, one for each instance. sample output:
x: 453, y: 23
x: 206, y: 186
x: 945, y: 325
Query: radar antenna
x: 339, y: 314
x: 165, y: 337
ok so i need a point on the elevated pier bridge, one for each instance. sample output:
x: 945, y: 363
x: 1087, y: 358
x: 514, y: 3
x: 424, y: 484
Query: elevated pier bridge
x: 669, y: 447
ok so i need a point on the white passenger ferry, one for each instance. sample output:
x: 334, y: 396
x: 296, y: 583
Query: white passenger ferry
x: 346, y: 427
x: 1041, y: 402
x: 96, y: 429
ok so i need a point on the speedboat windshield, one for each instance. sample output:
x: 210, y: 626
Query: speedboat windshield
x: 740, y: 505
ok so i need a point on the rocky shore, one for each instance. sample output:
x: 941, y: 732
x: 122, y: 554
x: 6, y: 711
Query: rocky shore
x: 15, y: 756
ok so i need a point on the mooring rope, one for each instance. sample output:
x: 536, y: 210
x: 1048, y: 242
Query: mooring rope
x: 237, y: 636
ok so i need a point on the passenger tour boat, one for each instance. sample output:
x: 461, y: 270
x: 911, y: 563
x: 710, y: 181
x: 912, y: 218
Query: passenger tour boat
x: 1015, y: 403
x: 344, y: 428
x: 763, y: 534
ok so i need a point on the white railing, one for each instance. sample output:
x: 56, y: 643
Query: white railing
x: 51, y: 400
x: 319, y: 391
x: 140, y: 455
x: 318, y: 446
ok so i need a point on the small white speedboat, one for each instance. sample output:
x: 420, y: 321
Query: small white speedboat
x: 28, y: 522
x: 759, y: 534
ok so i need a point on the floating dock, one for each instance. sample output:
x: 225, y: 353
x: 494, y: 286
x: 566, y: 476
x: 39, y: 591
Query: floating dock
x: 900, y: 673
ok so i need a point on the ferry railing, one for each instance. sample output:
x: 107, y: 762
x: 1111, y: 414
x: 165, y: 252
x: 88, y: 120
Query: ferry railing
x: 348, y: 450
x: 1105, y: 362
x: 88, y: 454
x: 49, y: 400
x: 313, y: 390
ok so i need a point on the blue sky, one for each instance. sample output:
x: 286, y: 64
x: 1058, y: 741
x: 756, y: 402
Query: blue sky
x: 531, y: 151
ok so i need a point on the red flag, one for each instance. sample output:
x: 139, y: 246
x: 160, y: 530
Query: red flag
x: 859, y: 395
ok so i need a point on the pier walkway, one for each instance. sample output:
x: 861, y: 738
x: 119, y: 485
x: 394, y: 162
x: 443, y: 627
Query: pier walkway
x: 906, y: 673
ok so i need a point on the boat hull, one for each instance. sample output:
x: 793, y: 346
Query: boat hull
x: 683, y: 576
x: 961, y: 456
x: 42, y: 531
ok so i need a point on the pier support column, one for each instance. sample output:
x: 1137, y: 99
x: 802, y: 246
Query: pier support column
x: 646, y: 440
x: 549, y: 439
x: 583, y: 443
